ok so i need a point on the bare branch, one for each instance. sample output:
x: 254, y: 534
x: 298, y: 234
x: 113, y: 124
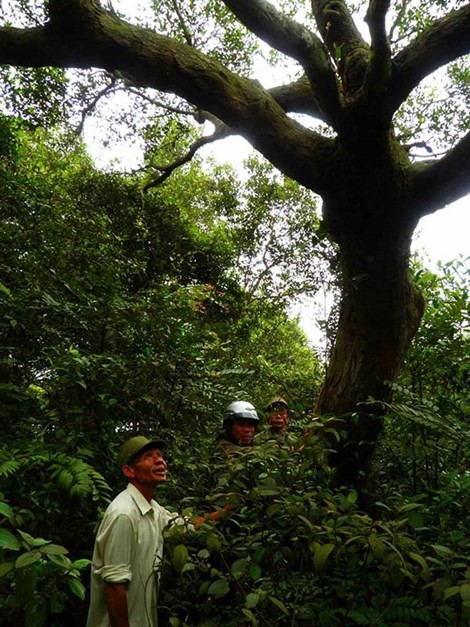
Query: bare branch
x: 438, y: 183
x: 187, y: 34
x: 444, y: 41
x: 298, y: 42
x: 221, y: 131
x: 108, y: 89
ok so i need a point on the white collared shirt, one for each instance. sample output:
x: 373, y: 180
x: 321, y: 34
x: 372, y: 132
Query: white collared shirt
x: 128, y: 549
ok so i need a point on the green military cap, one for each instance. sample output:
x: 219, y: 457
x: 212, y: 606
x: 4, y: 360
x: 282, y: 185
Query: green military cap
x: 135, y: 445
x: 276, y: 400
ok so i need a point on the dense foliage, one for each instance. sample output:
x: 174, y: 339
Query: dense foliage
x: 123, y: 313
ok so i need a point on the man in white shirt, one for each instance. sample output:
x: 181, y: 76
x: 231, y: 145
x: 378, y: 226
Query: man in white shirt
x: 129, y: 542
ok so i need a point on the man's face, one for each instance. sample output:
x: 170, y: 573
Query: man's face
x: 278, y: 417
x: 147, y: 468
x: 243, y: 430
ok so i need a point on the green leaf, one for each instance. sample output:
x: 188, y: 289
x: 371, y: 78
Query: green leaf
x: 77, y: 588
x: 80, y: 564
x: 180, y: 557
x: 444, y: 551
x: 250, y: 616
x: 451, y: 591
x: 6, y: 567
x: 238, y: 568
x: 9, y: 541
x: 251, y: 599
x: 26, y: 537
x: 218, y: 588
x: 306, y: 521
x: 4, y: 289
x: 255, y: 572
x: 60, y: 560
x: 26, y: 559
x: 352, y: 496
x: 279, y: 604
x: 54, y: 549
x: 321, y: 556
x: 465, y: 592
x: 6, y: 510
x: 422, y: 562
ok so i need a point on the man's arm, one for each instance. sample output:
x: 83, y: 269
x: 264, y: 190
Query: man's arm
x: 116, y: 598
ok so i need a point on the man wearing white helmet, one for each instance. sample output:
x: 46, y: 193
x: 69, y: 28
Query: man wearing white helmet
x: 240, y: 423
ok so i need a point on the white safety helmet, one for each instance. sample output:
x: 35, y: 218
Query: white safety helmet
x: 240, y: 409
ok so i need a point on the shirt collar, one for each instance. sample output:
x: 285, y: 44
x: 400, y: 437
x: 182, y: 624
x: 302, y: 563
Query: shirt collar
x: 140, y: 499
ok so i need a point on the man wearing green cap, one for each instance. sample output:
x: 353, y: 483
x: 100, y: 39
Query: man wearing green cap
x: 129, y: 542
x: 277, y: 416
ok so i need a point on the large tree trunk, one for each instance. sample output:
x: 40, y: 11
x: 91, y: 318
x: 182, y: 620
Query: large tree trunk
x: 380, y: 312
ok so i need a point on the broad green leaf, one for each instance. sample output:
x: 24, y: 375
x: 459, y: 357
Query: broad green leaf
x: 6, y: 510
x: 60, y: 560
x: 238, y: 568
x: 77, y: 588
x: 255, y: 572
x: 251, y: 599
x: 279, y: 604
x: 465, y: 592
x: 54, y: 549
x: 321, y: 556
x: 422, y: 562
x: 26, y: 537
x: 180, y: 557
x: 213, y: 543
x: 250, y: 616
x: 36, y: 542
x: 218, y: 588
x: 26, y: 559
x: 451, y: 591
x: 9, y: 541
x: 81, y: 563
x: 306, y: 521
x: 6, y: 567
x: 352, y: 496
x: 441, y: 550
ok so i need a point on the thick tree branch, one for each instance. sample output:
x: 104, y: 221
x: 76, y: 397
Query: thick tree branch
x: 380, y: 65
x: 96, y: 38
x: 438, y: 183
x: 297, y: 97
x: 344, y: 41
x: 298, y: 42
x: 444, y: 41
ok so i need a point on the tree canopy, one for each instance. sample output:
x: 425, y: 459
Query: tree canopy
x: 360, y: 160
x: 125, y: 311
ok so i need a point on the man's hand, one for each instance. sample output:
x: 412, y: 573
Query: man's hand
x: 116, y: 597
x: 198, y: 521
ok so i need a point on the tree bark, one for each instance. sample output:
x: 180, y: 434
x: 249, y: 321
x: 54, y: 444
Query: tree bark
x: 371, y: 219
